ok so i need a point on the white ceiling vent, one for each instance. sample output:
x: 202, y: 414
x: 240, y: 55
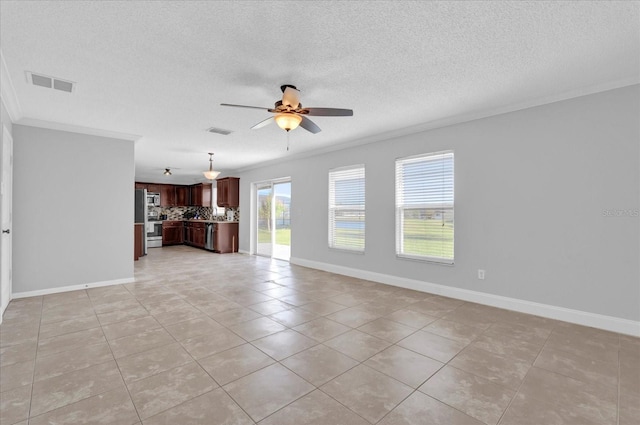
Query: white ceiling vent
x: 219, y: 131
x: 49, y: 82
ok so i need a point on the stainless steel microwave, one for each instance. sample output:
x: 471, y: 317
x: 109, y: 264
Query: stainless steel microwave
x: 153, y: 199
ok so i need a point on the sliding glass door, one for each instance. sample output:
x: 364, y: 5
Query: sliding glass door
x: 273, y: 227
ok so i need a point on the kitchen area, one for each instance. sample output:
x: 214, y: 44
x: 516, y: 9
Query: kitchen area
x: 201, y: 215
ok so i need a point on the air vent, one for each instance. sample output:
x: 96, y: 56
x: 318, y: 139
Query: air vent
x: 49, y: 82
x: 219, y: 131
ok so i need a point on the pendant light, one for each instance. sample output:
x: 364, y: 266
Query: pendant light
x: 210, y: 174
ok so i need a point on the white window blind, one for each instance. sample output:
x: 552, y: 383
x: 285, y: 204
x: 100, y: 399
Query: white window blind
x: 424, y: 207
x: 346, y: 208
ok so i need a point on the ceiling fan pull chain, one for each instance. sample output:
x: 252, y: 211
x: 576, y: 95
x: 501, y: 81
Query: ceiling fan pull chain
x: 288, y: 135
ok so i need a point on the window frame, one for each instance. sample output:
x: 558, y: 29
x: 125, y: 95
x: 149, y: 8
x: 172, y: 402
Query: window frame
x: 442, y: 205
x: 332, y: 208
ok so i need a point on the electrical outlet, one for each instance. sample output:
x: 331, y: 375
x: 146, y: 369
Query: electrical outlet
x: 480, y: 274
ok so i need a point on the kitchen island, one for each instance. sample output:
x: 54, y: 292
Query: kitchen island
x: 213, y: 235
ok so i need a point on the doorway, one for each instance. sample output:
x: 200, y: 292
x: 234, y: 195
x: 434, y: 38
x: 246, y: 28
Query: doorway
x: 6, y: 188
x: 273, y: 213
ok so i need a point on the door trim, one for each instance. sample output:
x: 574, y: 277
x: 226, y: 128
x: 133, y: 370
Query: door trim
x: 6, y: 287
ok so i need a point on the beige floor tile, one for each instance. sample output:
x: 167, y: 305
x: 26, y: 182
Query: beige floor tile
x: 211, y: 343
x: 112, y: 407
x: 501, y: 370
x: 506, y: 345
x: 270, y: 307
x: 157, y: 360
x: 16, y: 375
x: 193, y: 328
x: 468, y: 315
x: 18, y: 353
x: 298, y: 299
x: 263, y: 392
x: 588, y: 346
x: 257, y: 328
x: 178, y: 315
x: 68, y: 326
x: 357, y: 345
x: 233, y: 317
x: 629, y: 409
x: 430, y: 308
x: 319, y: 364
x: 322, y: 329
x: 70, y: 341
x: 367, y: 392
x: 202, y: 410
x: 59, y: 391
x: 411, y: 318
x: 577, y: 367
x: 115, y: 305
x: 420, y: 409
x: 65, y: 312
x: 518, y: 331
x: 216, y: 307
x: 293, y: 317
x: 453, y: 330
x: 353, y: 317
x: 167, y: 389
x: 315, y: 408
x: 529, y: 411
x: 323, y: 307
x: 475, y: 396
x: 18, y: 333
x: 130, y: 327
x: 69, y: 361
x: 387, y: 329
x: 14, y: 404
x: 284, y: 344
x: 140, y: 342
x: 582, y: 399
x: 122, y: 315
x: 350, y: 299
x: 406, y: 366
x: 235, y: 363
x: 432, y: 345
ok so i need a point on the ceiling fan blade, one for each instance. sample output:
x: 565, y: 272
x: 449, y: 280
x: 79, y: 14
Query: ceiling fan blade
x: 309, y: 125
x: 328, y: 112
x: 291, y: 97
x: 262, y: 123
x: 244, y: 106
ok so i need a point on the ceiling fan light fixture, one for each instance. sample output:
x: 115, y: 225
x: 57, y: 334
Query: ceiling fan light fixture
x: 210, y: 174
x: 288, y: 121
x: 167, y: 172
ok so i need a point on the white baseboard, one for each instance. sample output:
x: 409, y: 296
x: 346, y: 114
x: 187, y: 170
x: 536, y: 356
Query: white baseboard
x: 609, y: 323
x: 242, y: 251
x: 71, y: 288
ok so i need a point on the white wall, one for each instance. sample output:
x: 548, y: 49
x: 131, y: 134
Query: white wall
x: 531, y: 187
x: 73, y: 209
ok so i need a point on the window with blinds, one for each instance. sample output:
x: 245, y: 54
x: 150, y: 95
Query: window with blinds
x: 424, y: 207
x: 346, y: 208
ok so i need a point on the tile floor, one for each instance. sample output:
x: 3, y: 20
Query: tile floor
x: 201, y: 338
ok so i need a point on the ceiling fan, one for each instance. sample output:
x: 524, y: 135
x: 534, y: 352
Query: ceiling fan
x: 289, y: 113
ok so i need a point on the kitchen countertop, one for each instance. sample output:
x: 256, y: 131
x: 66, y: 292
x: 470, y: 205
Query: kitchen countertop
x: 198, y: 221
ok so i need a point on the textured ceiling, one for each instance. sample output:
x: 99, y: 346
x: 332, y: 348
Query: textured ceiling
x: 160, y: 69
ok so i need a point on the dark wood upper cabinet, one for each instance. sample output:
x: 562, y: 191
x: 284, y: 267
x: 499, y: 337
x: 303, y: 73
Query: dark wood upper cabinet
x: 167, y: 195
x: 228, y: 192
x: 201, y: 195
x: 182, y: 196
x: 141, y: 185
x: 154, y: 188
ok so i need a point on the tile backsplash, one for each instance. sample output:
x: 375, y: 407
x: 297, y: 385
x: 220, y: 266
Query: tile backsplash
x: 207, y: 213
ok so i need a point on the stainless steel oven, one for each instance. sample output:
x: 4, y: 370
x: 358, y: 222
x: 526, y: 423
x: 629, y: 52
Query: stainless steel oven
x: 153, y: 199
x: 154, y: 234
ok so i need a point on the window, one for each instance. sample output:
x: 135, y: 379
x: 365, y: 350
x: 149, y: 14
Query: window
x: 424, y: 207
x: 346, y: 208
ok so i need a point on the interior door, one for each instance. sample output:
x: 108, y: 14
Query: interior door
x: 6, y: 186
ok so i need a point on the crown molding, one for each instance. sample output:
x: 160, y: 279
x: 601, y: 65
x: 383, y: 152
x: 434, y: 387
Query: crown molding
x: 31, y: 122
x: 8, y: 92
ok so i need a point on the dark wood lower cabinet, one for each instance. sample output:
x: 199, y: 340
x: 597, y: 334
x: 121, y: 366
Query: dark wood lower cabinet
x: 226, y: 237
x: 172, y: 232
x: 138, y: 241
x: 194, y: 233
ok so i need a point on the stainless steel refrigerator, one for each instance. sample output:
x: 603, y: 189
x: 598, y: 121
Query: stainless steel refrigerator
x: 141, y: 213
